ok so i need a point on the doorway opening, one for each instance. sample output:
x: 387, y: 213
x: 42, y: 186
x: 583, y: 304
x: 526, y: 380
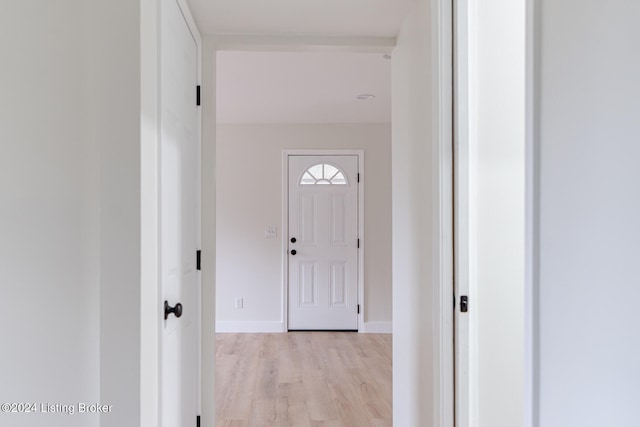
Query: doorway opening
x: 275, y: 103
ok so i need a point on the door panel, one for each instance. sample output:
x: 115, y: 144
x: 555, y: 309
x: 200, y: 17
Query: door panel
x: 308, y: 284
x: 338, y: 220
x: 337, y: 285
x: 323, y: 259
x: 307, y: 219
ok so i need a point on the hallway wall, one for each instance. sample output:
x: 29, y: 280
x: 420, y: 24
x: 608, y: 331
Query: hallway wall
x: 69, y: 209
x: 413, y: 216
x: 49, y: 214
x: 587, y: 228
x: 114, y: 93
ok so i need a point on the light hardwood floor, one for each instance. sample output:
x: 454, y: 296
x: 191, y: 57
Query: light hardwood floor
x: 303, y: 379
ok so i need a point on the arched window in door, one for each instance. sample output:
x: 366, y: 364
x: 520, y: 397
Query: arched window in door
x: 323, y: 174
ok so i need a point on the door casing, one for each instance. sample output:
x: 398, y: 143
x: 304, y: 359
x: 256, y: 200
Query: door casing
x: 465, y: 334
x: 285, y: 227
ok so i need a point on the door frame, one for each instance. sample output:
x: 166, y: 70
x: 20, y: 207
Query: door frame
x: 211, y: 44
x: 284, y: 236
x: 531, y: 196
x: 464, y: 158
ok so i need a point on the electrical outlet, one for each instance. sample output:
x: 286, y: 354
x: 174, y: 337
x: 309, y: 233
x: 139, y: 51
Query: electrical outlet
x: 239, y: 303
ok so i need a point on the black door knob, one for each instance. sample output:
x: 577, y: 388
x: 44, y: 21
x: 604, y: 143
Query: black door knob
x: 293, y: 252
x: 293, y: 240
x: 177, y: 310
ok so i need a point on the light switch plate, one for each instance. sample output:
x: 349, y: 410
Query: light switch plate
x: 270, y: 232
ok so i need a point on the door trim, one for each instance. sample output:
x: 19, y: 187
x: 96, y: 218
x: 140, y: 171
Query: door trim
x: 285, y: 227
x: 442, y: 119
x: 532, y: 213
x: 465, y: 334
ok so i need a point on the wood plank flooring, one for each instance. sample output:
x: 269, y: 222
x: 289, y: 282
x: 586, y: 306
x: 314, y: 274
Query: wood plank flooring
x: 303, y: 379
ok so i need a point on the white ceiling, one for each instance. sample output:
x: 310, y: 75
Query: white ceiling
x: 302, y: 87
x: 361, y: 18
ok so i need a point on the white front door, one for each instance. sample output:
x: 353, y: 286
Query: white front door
x: 323, y: 242
x: 179, y: 226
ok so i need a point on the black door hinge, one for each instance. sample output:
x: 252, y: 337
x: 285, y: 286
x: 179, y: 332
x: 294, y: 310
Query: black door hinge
x: 358, y: 177
x: 198, y: 258
x: 464, y: 304
x: 198, y: 95
x: 358, y: 308
x: 198, y: 421
x: 358, y: 243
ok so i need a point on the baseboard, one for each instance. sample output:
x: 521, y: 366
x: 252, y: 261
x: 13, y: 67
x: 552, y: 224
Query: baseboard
x: 376, y: 328
x: 277, y: 327
x: 249, y: 327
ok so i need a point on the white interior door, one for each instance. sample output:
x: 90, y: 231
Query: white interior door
x: 323, y: 242
x: 179, y: 226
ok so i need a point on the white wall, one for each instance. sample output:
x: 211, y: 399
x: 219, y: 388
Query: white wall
x: 249, y: 197
x: 413, y: 214
x: 49, y: 214
x: 497, y: 135
x: 115, y: 95
x: 589, y: 205
x: 69, y: 182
